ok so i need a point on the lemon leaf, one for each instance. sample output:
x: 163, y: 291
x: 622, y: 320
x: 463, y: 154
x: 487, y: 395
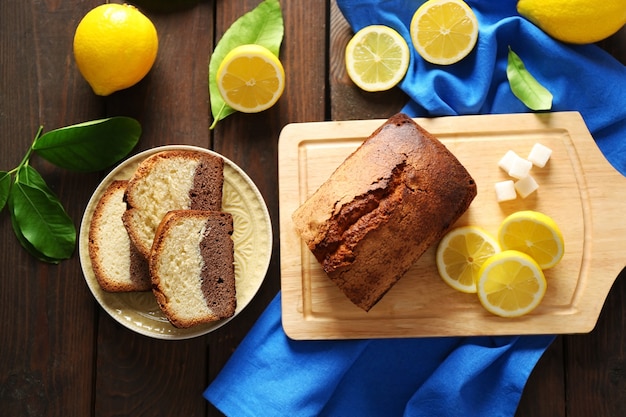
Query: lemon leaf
x: 524, y: 86
x: 39, y: 221
x: 5, y: 187
x: 261, y: 26
x: 90, y: 146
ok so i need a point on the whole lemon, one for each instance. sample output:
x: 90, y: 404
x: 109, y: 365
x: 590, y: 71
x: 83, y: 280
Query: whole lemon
x: 115, y: 45
x: 575, y: 21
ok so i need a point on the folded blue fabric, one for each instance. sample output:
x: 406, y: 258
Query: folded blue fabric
x: 271, y: 375
x: 582, y: 78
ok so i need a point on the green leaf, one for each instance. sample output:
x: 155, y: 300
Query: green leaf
x: 5, y: 187
x: 26, y: 244
x: 89, y: 146
x: 40, y: 221
x: 262, y: 26
x: 524, y: 86
x: 29, y: 176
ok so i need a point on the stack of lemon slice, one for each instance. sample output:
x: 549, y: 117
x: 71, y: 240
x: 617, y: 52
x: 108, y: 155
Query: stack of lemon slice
x: 507, y: 274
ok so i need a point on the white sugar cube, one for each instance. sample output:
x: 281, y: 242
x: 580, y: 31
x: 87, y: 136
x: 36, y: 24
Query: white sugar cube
x: 506, y: 162
x: 520, y: 168
x: 505, y: 191
x: 526, y: 186
x: 539, y: 155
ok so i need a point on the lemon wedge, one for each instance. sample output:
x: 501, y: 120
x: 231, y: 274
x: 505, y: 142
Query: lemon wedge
x: 510, y: 284
x: 377, y: 58
x: 535, y: 234
x: 444, y: 31
x: 461, y: 253
x: 250, y: 78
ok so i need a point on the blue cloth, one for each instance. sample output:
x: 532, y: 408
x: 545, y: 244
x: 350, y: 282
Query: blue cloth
x: 271, y: 375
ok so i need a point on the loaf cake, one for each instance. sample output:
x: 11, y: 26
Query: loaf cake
x: 192, y: 267
x: 117, y: 265
x: 382, y: 208
x: 170, y: 180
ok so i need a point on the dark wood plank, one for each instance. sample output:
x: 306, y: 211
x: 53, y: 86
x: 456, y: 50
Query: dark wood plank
x: 137, y: 375
x: 347, y: 101
x: 251, y: 140
x: 46, y: 311
x: 596, y: 362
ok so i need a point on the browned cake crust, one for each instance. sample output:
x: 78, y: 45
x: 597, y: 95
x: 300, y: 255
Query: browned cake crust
x: 157, y: 187
x: 116, y: 264
x: 383, y: 207
x: 188, y: 294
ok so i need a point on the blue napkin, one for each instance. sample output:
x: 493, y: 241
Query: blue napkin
x: 271, y: 375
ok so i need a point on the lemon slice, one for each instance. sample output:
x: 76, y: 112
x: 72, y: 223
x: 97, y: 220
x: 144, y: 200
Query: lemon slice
x: 250, y: 78
x: 461, y: 253
x: 535, y: 234
x: 377, y: 58
x: 510, y: 284
x: 444, y: 31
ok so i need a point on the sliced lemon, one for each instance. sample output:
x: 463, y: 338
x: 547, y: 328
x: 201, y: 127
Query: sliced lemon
x: 535, y: 234
x: 510, y: 284
x: 461, y: 253
x: 250, y: 78
x: 377, y: 58
x: 444, y: 31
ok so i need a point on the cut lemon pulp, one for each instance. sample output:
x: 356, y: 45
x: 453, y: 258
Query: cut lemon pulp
x: 461, y: 253
x: 377, y: 58
x: 510, y: 284
x: 444, y: 31
x: 535, y: 234
x: 250, y: 78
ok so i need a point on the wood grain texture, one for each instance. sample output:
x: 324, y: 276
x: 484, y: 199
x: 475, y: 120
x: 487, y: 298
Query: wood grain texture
x: 64, y: 356
x: 581, y: 194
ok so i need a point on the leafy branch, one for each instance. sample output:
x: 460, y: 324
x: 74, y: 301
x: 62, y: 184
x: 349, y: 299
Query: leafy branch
x: 40, y: 223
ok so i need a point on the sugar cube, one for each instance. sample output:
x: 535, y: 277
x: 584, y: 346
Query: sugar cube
x: 526, y: 186
x: 520, y: 168
x: 539, y: 155
x: 506, y: 162
x: 505, y: 191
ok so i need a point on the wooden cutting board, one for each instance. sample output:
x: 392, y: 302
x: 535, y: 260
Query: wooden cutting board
x: 578, y: 188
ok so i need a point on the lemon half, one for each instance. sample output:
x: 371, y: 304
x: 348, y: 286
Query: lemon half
x: 510, y: 284
x: 250, y: 78
x: 444, y: 31
x: 535, y: 234
x: 377, y: 58
x: 460, y: 255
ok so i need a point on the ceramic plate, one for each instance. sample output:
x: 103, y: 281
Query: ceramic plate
x: 252, y: 237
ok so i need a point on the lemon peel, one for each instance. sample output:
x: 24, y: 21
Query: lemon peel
x: 115, y: 46
x: 575, y: 21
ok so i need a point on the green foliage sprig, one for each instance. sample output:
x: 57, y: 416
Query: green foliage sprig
x: 41, y: 224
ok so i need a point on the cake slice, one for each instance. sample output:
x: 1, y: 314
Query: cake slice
x: 383, y: 207
x: 192, y: 267
x: 170, y: 180
x: 117, y: 265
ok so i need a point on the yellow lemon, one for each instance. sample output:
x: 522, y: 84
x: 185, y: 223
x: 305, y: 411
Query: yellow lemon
x: 575, y: 21
x: 115, y: 46
x: 510, y: 284
x: 461, y: 253
x: 250, y: 78
x: 535, y: 234
x: 444, y: 31
x: 377, y: 58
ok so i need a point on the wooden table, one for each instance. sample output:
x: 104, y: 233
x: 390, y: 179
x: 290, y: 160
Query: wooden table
x: 60, y: 353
